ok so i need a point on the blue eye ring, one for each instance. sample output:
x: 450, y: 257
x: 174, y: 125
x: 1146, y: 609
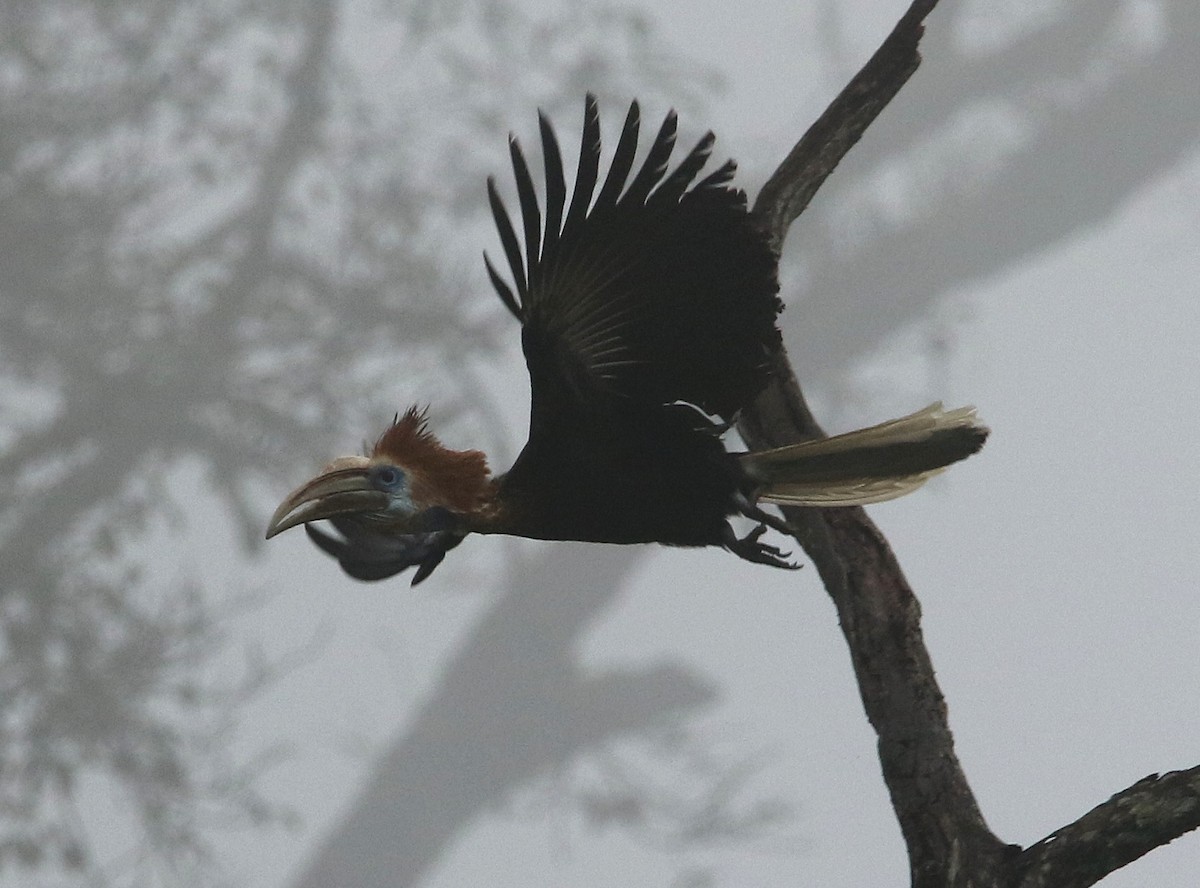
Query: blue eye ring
x: 386, y: 477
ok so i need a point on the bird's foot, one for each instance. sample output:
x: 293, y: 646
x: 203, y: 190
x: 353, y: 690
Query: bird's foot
x: 750, y: 548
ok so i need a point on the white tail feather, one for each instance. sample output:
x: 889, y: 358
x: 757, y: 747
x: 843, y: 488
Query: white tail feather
x: 802, y: 474
x: 855, y: 492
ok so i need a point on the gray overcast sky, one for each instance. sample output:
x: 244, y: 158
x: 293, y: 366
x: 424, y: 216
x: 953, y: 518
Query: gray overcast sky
x: 1058, y: 571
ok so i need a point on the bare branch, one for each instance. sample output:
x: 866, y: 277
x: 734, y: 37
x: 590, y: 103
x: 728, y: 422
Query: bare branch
x: 949, y: 844
x: 1154, y: 811
x: 793, y: 184
x: 1082, y: 162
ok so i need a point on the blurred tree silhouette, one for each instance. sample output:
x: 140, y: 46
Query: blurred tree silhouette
x: 217, y: 219
x: 1014, y: 136
x: 1024, y: 128
x: 212, y: 215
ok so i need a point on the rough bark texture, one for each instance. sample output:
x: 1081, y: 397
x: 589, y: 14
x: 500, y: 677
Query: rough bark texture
x: 949, y: 843
x: 793, y: 184
x: 1154, y: 811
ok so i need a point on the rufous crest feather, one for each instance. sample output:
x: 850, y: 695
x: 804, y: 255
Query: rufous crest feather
x: 458, y: 480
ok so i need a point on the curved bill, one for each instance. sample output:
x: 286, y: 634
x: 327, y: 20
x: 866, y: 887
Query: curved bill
x: 339, y: 492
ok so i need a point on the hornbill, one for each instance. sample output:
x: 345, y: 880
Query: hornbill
x: 647, y: 318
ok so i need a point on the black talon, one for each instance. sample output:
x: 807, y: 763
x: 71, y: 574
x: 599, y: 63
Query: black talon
x: 750, y: 549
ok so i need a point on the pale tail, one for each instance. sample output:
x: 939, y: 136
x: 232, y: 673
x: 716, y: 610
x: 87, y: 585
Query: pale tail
x: 869, y: 465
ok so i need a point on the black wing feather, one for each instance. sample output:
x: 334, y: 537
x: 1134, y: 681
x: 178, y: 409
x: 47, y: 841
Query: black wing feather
x: 589, y: 167
x: 622, y: 161
x: 370, y: 557
x: 556, y: 185
x: 655, y: 165
x: 662, y: 291
x: 673, y: 187
x: 503, y: 290
x: 722, y: 176
x: 531, y: 214
x: 508, y: 237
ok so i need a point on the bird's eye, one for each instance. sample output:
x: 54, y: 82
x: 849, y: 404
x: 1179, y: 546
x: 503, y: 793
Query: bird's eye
x: 386, y: 477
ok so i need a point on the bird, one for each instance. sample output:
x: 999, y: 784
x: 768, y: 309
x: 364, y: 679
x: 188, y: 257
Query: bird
x: 648, y: 316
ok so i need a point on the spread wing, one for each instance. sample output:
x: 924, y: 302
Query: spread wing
x: 657, y: 291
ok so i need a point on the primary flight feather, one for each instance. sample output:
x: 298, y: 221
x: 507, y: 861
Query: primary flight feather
x: 647, y: 316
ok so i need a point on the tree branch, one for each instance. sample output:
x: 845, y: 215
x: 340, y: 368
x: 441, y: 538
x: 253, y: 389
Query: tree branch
x: 1154, y: 811
x: 817, y: 154
x: 1082, y: 161
x: 879, y: 614
x: 948, y: 841
x: 949, y: 844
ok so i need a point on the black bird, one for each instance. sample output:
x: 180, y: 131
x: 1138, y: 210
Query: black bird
x: 647, y: 318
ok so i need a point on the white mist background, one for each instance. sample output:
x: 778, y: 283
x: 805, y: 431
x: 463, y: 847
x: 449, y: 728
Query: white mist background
x: 1058, y: 571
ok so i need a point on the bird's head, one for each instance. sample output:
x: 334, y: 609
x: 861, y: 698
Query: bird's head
x: 406, y: 484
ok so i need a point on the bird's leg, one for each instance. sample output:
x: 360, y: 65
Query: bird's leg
x: 705, y: 422
x: 718, y: 429
x: 755, y: 512
x: 750, y: 549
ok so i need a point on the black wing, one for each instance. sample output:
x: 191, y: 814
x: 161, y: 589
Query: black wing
x: 658, y: 291
x: 368, y: 556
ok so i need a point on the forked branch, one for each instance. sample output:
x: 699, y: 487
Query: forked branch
x: 949, y: 844
x: 1154, y: 811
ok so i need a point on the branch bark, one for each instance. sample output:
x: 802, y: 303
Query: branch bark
x: 1154, y: 811
x: 949, y: 843
x: 790, y: 188
x: 1080, y: 163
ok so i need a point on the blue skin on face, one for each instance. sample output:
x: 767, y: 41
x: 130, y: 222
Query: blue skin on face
x: 387, y: 478
x: 393, y: 481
